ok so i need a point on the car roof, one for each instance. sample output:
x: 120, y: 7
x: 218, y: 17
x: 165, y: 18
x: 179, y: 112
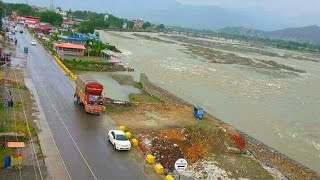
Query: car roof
x: 118, y: 132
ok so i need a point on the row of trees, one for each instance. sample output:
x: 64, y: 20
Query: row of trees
x: 26, y: 10
x: 290, y: 45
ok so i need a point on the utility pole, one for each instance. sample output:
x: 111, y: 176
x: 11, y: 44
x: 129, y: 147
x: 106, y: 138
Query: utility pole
x: 51, y: 5
x: 7, y: 93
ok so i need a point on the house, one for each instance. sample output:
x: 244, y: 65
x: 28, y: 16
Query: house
x: 67, y: 50
x: 112, y: 57
x: 29, y: 21
x: 45, y: 29
x: 93, y: 37
x: 138, y: 23
x: 78, y: 21
x: 67, y: 25
x: 74, y: 39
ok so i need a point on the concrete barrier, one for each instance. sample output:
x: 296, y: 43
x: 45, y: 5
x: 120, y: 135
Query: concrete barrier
x: 134, y: 142
x: 159, y: 169
x: 150, y: 159
x: 122, y: 128
x: 168, y: 177
x: 128, y: 135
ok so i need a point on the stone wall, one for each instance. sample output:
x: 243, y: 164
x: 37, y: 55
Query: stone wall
x: 267, y: 155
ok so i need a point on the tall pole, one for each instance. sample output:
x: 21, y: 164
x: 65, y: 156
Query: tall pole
x: 51, y: 5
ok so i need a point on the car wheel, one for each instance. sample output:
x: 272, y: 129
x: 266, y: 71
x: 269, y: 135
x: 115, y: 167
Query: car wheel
x: 115, y: 147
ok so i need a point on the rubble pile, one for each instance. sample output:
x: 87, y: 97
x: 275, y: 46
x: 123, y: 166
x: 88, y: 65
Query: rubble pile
x: 166, y: 153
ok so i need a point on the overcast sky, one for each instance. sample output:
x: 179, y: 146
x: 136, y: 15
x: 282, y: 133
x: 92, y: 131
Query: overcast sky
x: 290, y: 12
x: 285, y: 7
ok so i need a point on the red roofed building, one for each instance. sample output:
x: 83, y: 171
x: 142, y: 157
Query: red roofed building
x: 44, y: 29
x: 65, y: 50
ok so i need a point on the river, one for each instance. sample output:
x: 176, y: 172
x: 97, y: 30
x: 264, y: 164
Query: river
x: 278, y: 108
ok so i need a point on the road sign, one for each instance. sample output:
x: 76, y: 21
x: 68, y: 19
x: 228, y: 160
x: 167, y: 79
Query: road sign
x: 181, y: 165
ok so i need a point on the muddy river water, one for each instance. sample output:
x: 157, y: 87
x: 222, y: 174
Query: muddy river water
x: 278, y: 108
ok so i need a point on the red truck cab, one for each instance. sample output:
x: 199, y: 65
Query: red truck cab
x: 89, y: 93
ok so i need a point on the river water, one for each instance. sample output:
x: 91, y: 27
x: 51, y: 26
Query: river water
x: 279, y: 109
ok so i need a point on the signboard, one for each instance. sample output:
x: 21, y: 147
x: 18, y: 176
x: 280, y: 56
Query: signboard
x: 181, y: 165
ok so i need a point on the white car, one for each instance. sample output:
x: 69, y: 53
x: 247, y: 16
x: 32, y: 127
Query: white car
x: 33, y: 42
x: 119, y: 140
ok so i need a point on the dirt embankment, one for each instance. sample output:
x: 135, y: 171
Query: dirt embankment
x: 170, y: 132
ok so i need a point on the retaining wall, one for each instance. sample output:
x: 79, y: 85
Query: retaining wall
x: 269, y: 156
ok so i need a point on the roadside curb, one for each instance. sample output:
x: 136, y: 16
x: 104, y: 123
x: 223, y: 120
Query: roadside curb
x: 63, y: 67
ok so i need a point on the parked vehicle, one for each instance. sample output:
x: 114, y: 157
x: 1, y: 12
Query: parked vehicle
x: 25, y: 49
x: 89, y: 93
x: 119, y: 140
x: 33, y: 42
x: 21, y: 31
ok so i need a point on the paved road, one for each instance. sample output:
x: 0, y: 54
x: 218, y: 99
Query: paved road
x: 80, y: 137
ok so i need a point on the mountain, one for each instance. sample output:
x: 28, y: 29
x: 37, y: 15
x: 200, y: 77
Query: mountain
x: 243, y: 31
x: 307, y: 34
x: 172, y: 12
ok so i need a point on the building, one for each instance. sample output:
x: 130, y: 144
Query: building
x: 69, y: 51
x: 93, y: 37
x: 138, y: 23
x: 29, y: 21
x: 112, y: 57
x: 45, y: 29
x: 67, y: 25
x: 74, y: 39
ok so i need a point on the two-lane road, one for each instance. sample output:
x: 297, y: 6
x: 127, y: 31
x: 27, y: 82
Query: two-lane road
x: 80, y: 137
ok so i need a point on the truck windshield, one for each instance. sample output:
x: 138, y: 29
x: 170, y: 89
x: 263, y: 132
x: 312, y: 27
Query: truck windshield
x: 95, y: 99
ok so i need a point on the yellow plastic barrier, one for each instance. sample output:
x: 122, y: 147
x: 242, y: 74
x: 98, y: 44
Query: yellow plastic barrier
x: 134, y: 142
x: 75, y: 78
x: 122, y: 128
x: 150, y: 159
x: 168, y: 177
x: 128, y: 134
x: 159, y: 169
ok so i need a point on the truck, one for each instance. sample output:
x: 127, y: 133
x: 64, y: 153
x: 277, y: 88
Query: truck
x: 89, y: 94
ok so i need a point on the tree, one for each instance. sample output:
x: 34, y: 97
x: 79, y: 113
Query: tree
x: 21, y: 9
x: 51, y: 17
x: 86, y: 27
x: 146, y: 25
x: 161, y: 26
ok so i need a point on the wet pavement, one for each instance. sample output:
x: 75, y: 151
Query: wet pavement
x: 80, y: 137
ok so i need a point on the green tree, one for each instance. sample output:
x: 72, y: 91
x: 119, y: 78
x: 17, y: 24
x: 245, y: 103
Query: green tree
x: 51, y: 17
x: 161, y: 26
x: 21, y: 9
x: 86, y: 27
x: 146, y: 25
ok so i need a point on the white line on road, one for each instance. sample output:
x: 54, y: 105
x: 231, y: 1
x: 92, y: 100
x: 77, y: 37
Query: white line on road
x: 65, y: 127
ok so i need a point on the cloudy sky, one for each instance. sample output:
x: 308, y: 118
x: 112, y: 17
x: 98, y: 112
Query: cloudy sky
x: 284, y: 7
x: 265, y: 14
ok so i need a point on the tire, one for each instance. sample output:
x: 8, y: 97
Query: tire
x: 114, y: 146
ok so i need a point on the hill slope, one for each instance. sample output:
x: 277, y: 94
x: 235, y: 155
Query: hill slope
x: 308, y: 34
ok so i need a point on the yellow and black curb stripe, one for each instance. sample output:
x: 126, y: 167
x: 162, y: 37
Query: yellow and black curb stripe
x: 72, y: 76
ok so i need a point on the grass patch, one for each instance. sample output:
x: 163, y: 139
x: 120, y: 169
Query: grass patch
x: 138, y: 85
x: 118, y: 109
x: 241, y: 166
x: 3, y: 153
x: 79, y: 65
x: 143, y: 98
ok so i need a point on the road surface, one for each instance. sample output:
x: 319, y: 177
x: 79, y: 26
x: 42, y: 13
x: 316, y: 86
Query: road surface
x: 80, y: 137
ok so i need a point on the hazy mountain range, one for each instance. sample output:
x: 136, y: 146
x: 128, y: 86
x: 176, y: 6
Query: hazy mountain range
x: 308, y: 34
x: 172, y: 12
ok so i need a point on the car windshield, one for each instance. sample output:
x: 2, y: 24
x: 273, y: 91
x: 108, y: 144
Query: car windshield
x: 121, y: 137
